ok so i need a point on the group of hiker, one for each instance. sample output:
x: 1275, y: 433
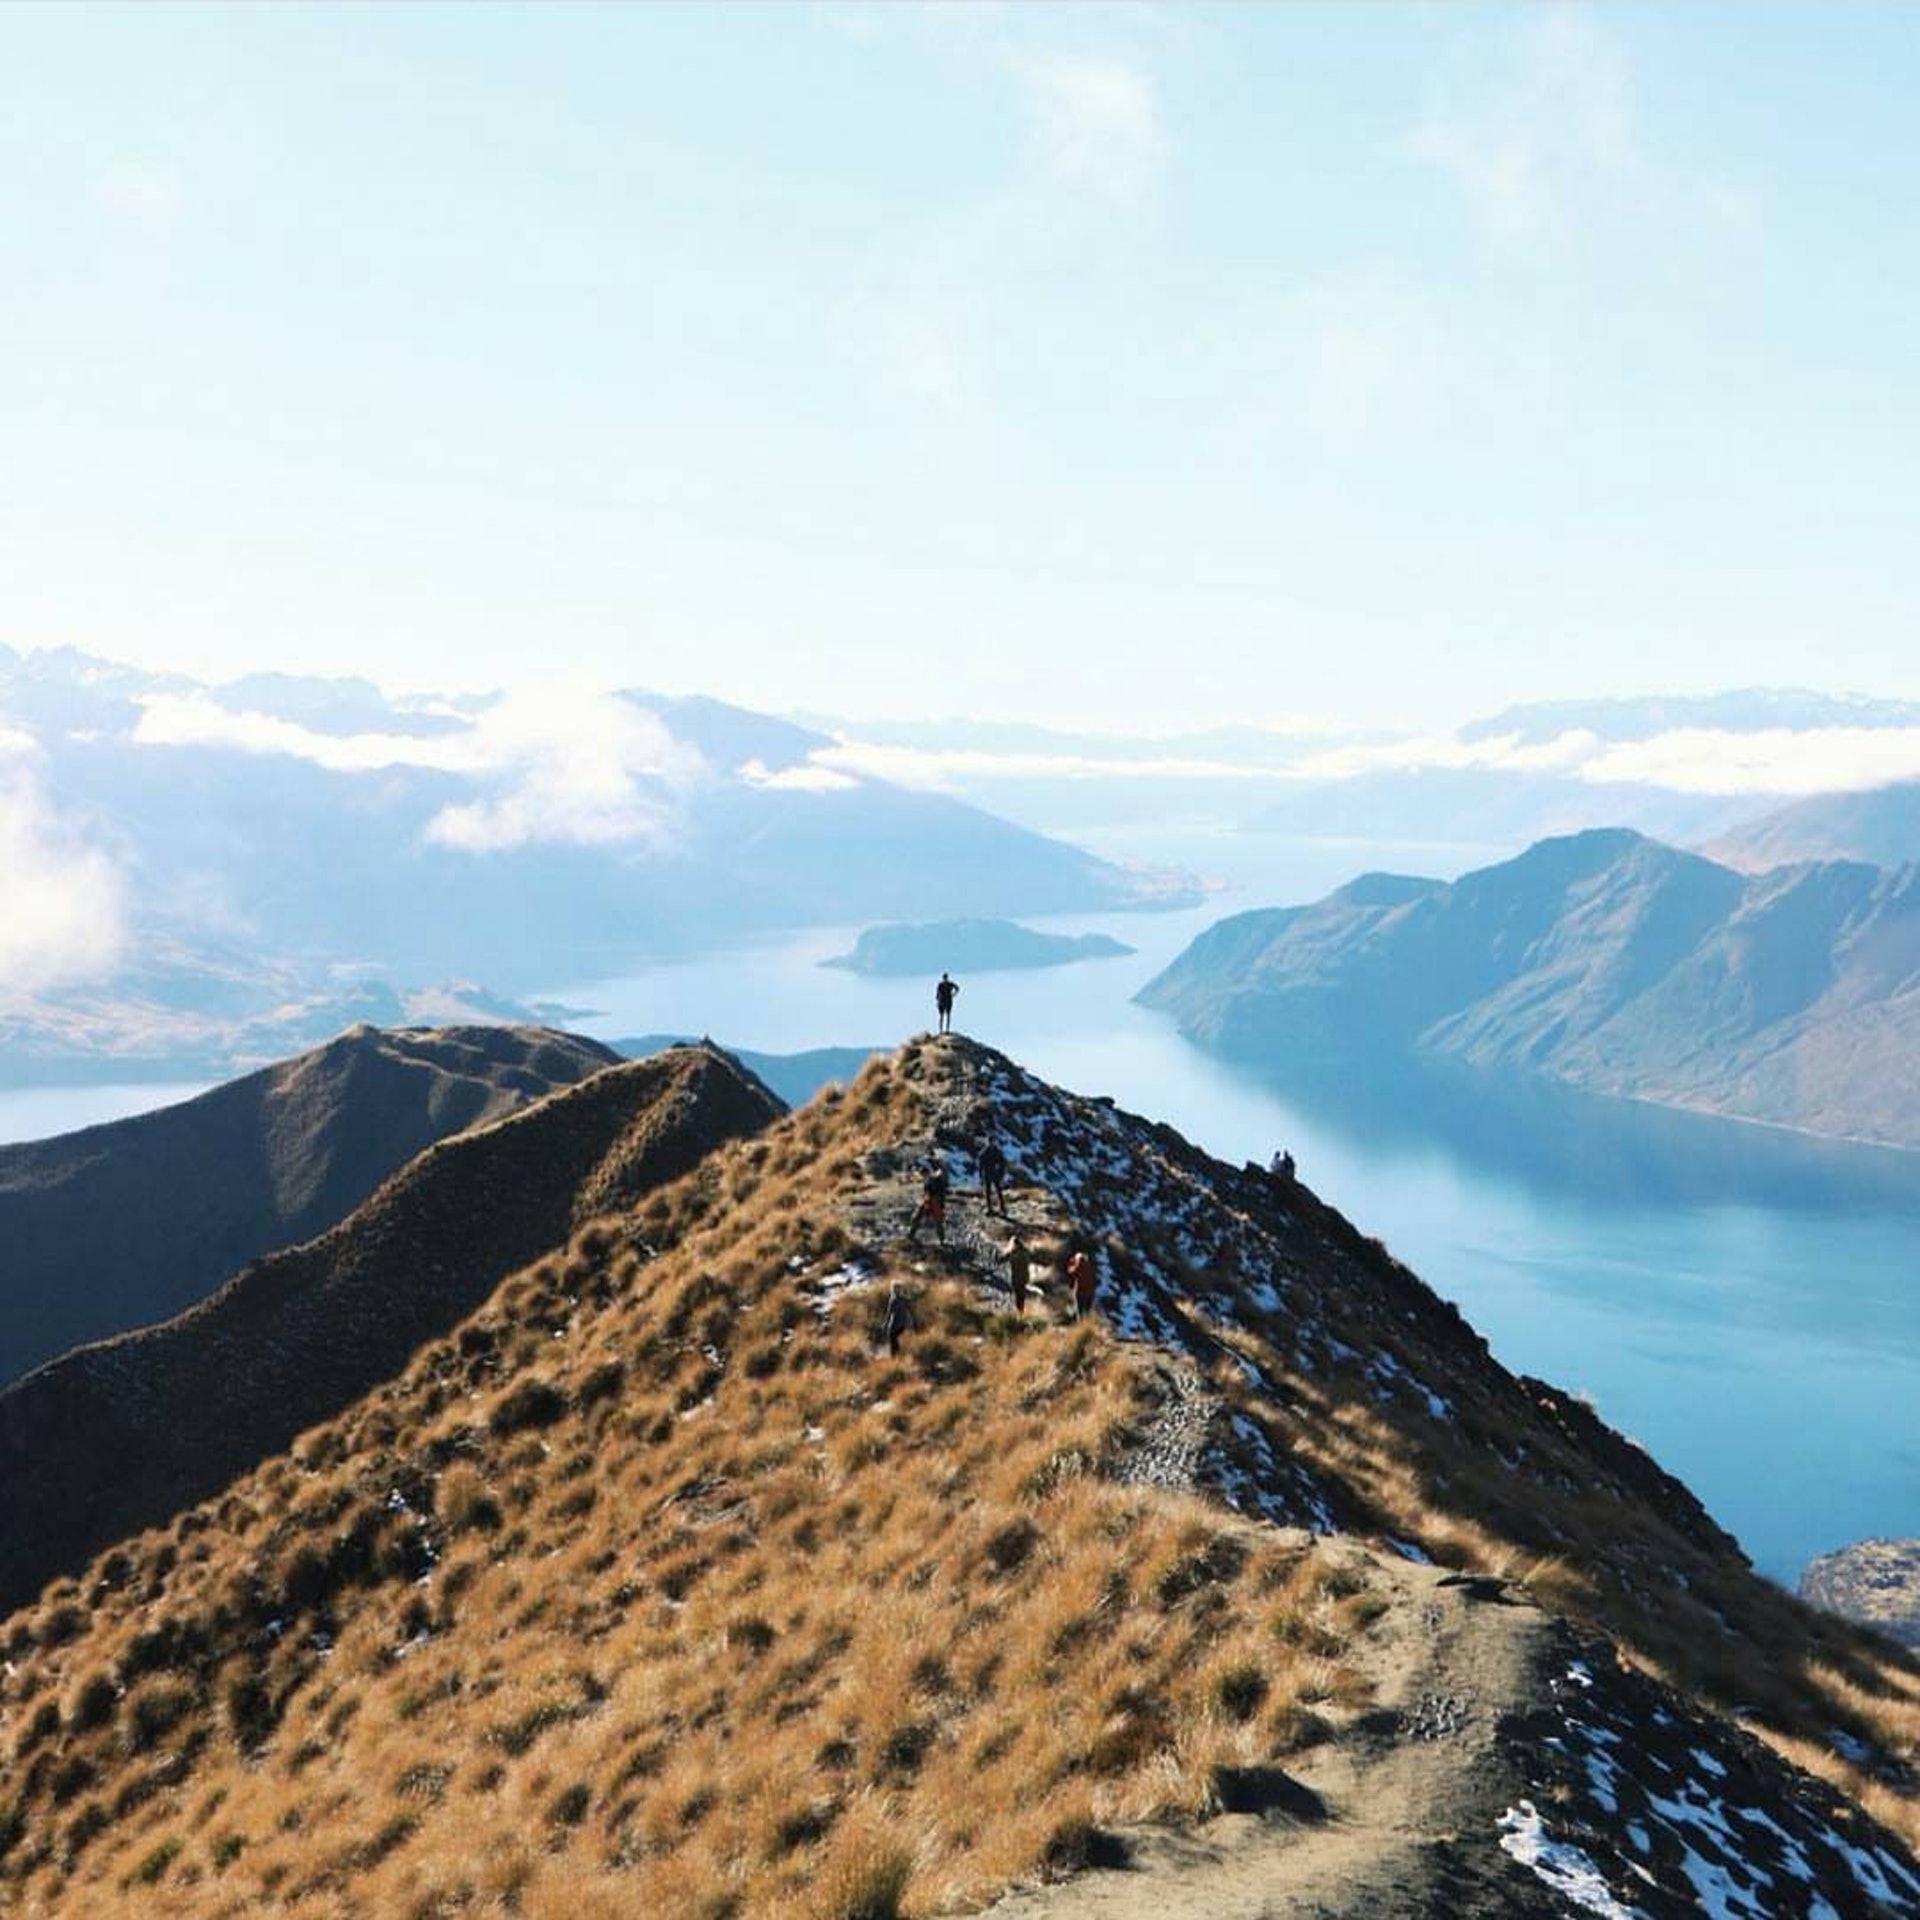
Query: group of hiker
x: 1076, y: 1262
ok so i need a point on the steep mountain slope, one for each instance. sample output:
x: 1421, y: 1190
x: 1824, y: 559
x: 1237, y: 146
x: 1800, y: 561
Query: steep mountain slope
x: 115, y: 1436
x: 1606, y: 961
x: 119, y: 1225
x: 659, y: 1586
x: 1880, y: 827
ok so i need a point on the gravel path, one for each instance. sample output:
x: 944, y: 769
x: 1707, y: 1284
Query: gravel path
x: 1170, y: 1452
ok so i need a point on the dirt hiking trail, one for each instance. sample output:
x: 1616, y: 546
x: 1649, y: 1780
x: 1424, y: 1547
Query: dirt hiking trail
x: 1370, y: 1823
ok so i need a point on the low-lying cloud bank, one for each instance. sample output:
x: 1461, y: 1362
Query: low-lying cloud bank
x: 1784, y: 761
x: 558, y: 765
x: 61, y: 915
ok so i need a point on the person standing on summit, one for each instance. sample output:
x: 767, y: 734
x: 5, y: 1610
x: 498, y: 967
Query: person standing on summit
x: 944, y: 996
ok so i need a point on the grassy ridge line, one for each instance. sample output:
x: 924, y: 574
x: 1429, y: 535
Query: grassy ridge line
x: 122, y: 1434
x: 652, y: 1588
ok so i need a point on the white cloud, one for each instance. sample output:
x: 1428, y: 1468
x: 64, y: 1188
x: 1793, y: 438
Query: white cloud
x: 60, y: 900
x: 1420, y: 753
x: 197, y: 720
x: 141, y: 195
x: 577, y: 768
x: 1778, y: 760
x: 811, y: 777
x: 561, y: 764
x: 1096, y: 120
x: 1703, y: 760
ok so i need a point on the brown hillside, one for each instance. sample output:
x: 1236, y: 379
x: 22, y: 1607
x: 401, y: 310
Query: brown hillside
x: 114, y: 1437
x: 657, y: 1587
x: 118, y: 1226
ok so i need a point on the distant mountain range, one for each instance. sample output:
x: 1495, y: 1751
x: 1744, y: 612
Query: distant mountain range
x: 221, y: 873
x: 123, y: 1224
x: 1603, y: 960
x: 1680, y: 767
x: 1880, y: 826
x: 112, y: 1437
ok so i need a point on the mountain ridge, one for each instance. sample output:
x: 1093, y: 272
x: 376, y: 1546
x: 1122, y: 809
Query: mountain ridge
x: 112, y: 1436
x: 126, y: 1223
x: 1604, y: 960
x: 659, y: 1585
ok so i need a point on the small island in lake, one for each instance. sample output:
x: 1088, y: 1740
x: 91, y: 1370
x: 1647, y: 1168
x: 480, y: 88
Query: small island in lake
x: 970, y: 946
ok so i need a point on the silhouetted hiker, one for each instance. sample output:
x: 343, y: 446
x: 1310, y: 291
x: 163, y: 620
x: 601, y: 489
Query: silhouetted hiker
x: 944, y: 996
x: 993, y: 1177
x: 899, y: 1317
x: 1082, y: 1279
x: 1281, y: 1167
x: 1019, y: 1270
x: 932, y: 1210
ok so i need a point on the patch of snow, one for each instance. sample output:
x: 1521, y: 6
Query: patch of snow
x: 854, y: 1277
x: 1878, y: 1873
x: 1523, y: 1836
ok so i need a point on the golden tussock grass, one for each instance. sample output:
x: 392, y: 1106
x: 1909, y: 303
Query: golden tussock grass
x: 585, y: 1615
x: 652, y: 1589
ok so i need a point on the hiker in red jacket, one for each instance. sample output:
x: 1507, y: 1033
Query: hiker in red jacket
x: 932, y: 1210
x: 1082, y: 1278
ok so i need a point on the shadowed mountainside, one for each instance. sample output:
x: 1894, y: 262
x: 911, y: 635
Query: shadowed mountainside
x: 120, y: 1225
x: 657, y: 1585
x: 115, y: 1436
x: 1606, y: 961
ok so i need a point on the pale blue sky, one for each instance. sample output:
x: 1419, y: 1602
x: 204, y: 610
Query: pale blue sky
x: 1137, y: 368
